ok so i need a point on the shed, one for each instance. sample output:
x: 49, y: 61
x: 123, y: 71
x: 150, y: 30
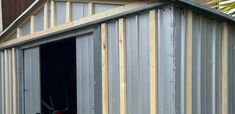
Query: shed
x: 118, y: 57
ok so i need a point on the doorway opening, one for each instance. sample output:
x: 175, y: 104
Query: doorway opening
x: 58, y: 77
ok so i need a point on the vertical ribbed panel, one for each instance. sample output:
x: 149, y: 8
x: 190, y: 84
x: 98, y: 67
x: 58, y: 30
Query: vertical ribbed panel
x: 206, y: 65
x: 138, y: 66
x: 79, y: 10
x: 60, y: 8
x: 25, y: 29
x: 113, y: 65
x: 179, y: 34
x: 85, y: 75
x: 32, y: 94
x: 10, y: 81
x: 2, y: 83
x: 166, y: 59
x: 231, y: 71
x: 98, y: 8
x: 39, y: 20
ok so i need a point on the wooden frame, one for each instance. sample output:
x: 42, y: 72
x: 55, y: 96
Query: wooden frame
x: 224, y: 69
x: 122, y: 66
x: 7, y: 96
x: 80, y: 22
x: 104, y: 53
x: 153, y: 62
x: 188, y: 66
x: 68, y: 11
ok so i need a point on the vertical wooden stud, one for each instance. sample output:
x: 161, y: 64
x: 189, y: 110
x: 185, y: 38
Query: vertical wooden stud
x: 153, y: 62
x: 18, y: 33
x: 14, y: 81
x: 90, y: 8
x: 46, y: 16
x: 7, y: 96
x: 224, y: 70
x: 53, y: 15
x: 104, y: 52
x: 188, y: 69
x: 122, y: 66
x: 68, y: 11
x: 32, y: 25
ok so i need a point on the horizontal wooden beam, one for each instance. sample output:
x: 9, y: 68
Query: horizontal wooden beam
x: 68, y: 25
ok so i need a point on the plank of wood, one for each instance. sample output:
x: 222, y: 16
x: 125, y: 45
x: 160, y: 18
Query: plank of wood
x: 53, y: 15
x: 153, y: 62
x: 46, y: 21
x: 122, y: 66
x: 85, y: 20
x: 188, y: 69
x: 224, y: 69
x: 18, y: 34
x: 90, y: 8
x: 32, y: 24
x: 14, y: 81
x: 1, y: 18
x: 104, y: 54
x: 7, y: 96
x: 68, y: 11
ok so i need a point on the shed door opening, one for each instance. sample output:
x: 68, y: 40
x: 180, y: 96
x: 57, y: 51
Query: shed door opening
x: 58, y: 77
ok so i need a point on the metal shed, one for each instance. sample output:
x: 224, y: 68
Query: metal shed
x: 118, y: 57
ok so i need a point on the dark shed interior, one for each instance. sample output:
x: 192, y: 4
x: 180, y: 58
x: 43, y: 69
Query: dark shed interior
x: 58, y: 77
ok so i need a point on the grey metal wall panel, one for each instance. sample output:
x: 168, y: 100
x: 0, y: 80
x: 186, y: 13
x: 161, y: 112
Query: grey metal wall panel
x: 138, y: 77
x: 2, y: 83
x: 79, y: 10
x: 60, y: 8
x: 10, y: 80
x: 113, y: 66
x: 166, y: 65
x: 20, y: 81
x: 39, y: 20
x: 179, y: 34
x: 231, y: 66
x: 85, y: 75
x: 32, y: 81
x: 206, y: 62
x: 98, y: 8
x: 25, y: 29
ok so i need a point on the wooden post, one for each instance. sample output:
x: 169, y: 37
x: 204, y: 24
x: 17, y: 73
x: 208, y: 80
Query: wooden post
x: 7, y: 96
x: 32, y: 25
x: 53, y: 13
x: 122, y: 66
x: 224, y: 70
x: 18, y: 34
x: 90, y: 8
x: 153, y: 62
x: 68, y: 11
x: 46, y: 16
x: 188, y: 69
x: 104, y: 52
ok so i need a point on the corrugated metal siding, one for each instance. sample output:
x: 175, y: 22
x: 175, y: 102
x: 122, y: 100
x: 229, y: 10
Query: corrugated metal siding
x: 104, y: 7
x: 206, y: 65
x: 179, y: 18
x: 166, y: 62
x: 32, y: 95
x: 2, y: 83
x: 60, y: 12
x: 231, y: 82
x: 79, y: 10
x: 113, y: 63
x: 137, y: 39
x: 25, y: 29
x: 85, y: 75
x: 39, y: 20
